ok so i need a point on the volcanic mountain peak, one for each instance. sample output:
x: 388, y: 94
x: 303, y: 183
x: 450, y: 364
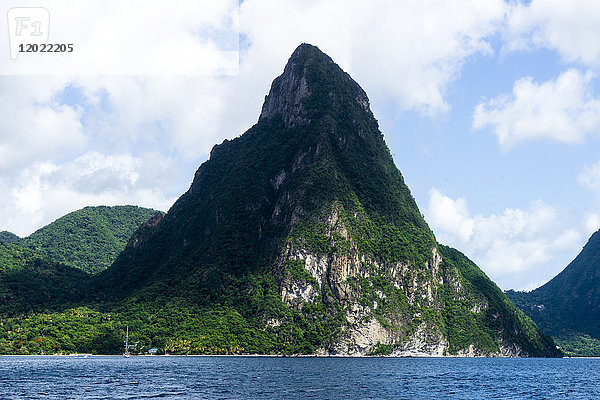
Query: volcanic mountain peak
x: 304, y: 228
x: 308, y: 72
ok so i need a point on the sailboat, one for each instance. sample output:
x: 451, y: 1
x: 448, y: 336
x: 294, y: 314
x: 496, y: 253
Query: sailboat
x: 126, y: 354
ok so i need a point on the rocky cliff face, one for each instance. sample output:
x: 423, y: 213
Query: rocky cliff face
x: 386, y: 315
x: 304, y: 227
x: 286, y: 95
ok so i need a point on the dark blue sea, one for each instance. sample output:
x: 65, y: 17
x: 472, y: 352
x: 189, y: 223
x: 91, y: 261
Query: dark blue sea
x: 102, y: 377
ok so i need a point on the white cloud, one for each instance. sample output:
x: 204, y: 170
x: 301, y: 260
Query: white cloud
x: 185, y: 115
x: 507, y: 245
x: 451, y: 216
x: 45, y: 191
x: 532, y: 285
x: 590, y: 177
x: 135, y: 37
x: 591, y: 223
x: 568, y: 240
x: 563, y: 110
x: 406, y: 51
x: 34, y: 124
x: 569, y: 27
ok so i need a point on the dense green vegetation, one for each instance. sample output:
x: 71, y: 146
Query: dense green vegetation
x: 41, y: 285
x: 174, y: 328
x: 30, y: 283
x: 209, y: 276
x: 578, y: 345
x: 14, y: 256
x: 46, y: 314
x: 567, y: 306
x: 501, y: 315
x: 8, y: 237
x: 89, y: 239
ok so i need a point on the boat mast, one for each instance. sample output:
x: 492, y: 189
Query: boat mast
x: 126, y: 353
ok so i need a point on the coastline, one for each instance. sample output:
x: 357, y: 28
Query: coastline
x: 84, y: 355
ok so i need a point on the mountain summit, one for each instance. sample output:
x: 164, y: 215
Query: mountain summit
x: 302, y: 77
x: 304, y: 233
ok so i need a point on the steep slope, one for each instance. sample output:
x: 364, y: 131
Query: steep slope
x: 304, y: 230
x: 88, y: 239
x: 569, y: 304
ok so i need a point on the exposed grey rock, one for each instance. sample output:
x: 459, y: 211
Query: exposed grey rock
x: 286, y: 95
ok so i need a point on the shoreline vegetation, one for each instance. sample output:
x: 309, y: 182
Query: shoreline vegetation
x: 84, y: 355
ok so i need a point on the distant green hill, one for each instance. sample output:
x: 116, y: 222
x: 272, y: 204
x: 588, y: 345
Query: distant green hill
x: 568, y: 306
x: 8, y: 237
x: 29, y: 282
x: 89, y: 239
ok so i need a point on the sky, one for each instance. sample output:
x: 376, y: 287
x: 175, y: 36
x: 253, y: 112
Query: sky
x: 491, y: 109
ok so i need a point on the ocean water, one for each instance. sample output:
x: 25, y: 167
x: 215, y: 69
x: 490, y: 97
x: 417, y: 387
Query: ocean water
x: 105, y: 377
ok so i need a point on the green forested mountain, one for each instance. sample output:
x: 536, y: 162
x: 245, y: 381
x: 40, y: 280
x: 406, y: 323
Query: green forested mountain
x: 88, y: 239
x: 300, y: 236
x: 8, y: 237
x: 303, y: 228
x: 568, y: 306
